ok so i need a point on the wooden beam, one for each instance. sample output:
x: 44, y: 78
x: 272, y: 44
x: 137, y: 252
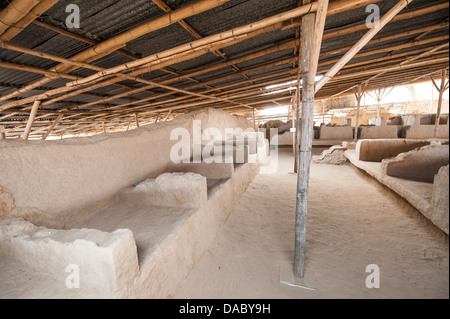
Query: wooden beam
x: 125, y: 37
x: 52, y: 127
x: 14, y: 12
x: 362, y: 42
x: 3, y: 132
x: 307, y: 39
x: 34, y: 13
x: 26, y: 134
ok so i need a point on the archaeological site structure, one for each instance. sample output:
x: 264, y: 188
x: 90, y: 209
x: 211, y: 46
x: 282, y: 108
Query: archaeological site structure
x: 224, y: 149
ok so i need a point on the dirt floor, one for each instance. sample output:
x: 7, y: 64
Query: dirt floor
x: 353, y: 222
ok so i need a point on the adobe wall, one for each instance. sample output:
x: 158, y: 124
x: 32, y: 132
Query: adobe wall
x: 56, y: 183
x: 336, y: 132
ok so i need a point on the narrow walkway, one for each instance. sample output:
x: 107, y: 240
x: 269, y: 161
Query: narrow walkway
x: 353, y: 222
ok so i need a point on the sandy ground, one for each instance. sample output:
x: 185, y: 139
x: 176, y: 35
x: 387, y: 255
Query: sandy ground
x: 353, y: 221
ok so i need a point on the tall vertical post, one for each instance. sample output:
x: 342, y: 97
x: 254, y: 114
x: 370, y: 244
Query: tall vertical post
x: 254, y: 120
x: 3, y: 132
x: 136, y: 119
x: 359, y: 93
x: 33, y: 113
x: 441, y: 89
x: 379, y: 99
x: 305, y: 147
x: 311, y: 40
x: 297, y: 124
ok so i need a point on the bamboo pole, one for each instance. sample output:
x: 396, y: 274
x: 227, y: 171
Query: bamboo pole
x: 52, y: 127
x: 362, y: 42
x: 209, y: 69
x: 441, y: 89
x: 111, y: 44
x: 194, y: 32
x: 240, y: 31
x: 225, y: 64
x: 14, y: 12
x: 359, y: 93
x: 79, y: 38
x: 34, y: 13
x: 427, y: 53
x: 307, y: 39
x: 26, y: 134
x: 12, y: 66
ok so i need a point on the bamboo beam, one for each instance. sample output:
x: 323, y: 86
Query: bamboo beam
x: 26, y: 134
x: 108, y: 45
x: 14, y: 12
x: 362, y: 42
x: 282, y: 47
x: 78, y: 37
x: 240, y: 31
x: 193, y: 32
x: 330, y: 6
x: 52, y: 127
x: 30, y: 69
x: 34, y: 13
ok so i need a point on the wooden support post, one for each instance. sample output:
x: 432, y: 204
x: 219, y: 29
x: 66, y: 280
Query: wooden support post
x: 52, y: 127
x: 294, y: 126
x: 34, y: 110
x: 3, y: 132
x: 305, y: 147
x: 137, y: 120
x: 441, y: 89
x: 254, y: 121
x: 297, y: 126
x: 104, y: 127
x: 359, y: 93
x: 312, y: 28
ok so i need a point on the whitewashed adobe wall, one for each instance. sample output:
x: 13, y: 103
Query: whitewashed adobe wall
x: 55, y: 183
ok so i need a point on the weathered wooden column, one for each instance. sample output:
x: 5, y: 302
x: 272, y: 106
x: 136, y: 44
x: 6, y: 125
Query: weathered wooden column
x: 136, y: 119
x: 311, y: 40
x: 2, y: 132
x: 441, y: 90
x: 359, y: 93
x: 296, y: 120
x: 33, y: 113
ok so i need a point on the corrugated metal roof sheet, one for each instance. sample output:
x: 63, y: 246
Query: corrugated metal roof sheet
x: 101, y: 20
